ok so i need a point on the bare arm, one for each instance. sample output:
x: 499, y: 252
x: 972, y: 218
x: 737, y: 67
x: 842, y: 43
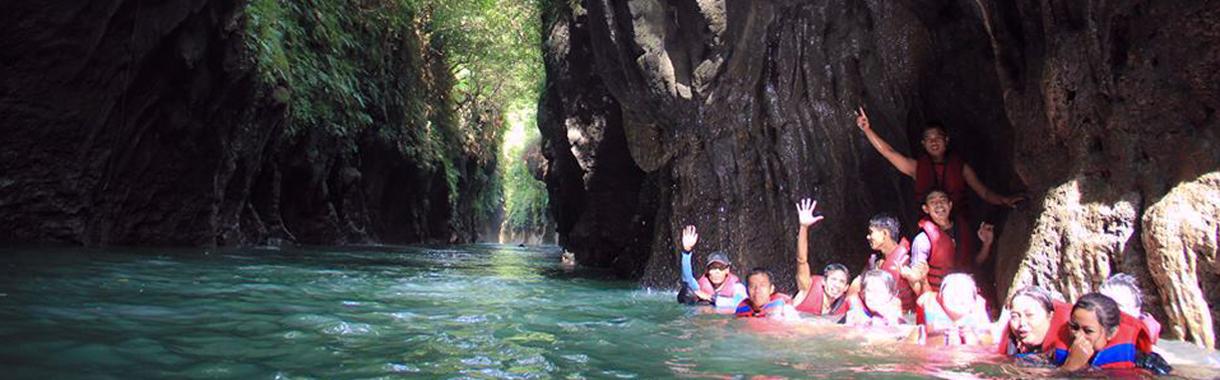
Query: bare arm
x: 804, y: 212
x: 988, y: 196
x: 904, y: 164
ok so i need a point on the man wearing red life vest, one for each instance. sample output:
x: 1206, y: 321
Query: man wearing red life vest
x: 891, y: 255
x: 942, y: 246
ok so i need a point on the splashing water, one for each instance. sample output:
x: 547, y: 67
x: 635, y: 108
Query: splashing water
x: 479, y: 311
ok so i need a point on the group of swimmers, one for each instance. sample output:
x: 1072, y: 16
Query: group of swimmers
x: 929, y: 278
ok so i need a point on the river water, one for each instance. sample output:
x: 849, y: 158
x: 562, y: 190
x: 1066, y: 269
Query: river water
x: 480, y: 311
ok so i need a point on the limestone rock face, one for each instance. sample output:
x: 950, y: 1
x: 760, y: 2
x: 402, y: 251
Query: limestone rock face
x: 734, y: 110
x: 1180, y: 237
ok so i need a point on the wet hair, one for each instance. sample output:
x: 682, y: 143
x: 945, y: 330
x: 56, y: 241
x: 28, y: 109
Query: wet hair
x: 1103, y: 307
x: 934, y: 125
x: 879, y: 275
x: 758, y: 270
x: 835, y: 267
x: 885, y: 222
x: 1127, y: 281
x: 934, y: 190
x: 954, y: 278
x: 1035, y: 293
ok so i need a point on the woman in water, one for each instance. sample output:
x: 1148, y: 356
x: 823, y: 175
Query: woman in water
x: 878, y: 303
x: 1100, y: 335
x: 955, y: 312
x: 817, y: 295
x: 1031, y: 324
x: 718, y: 286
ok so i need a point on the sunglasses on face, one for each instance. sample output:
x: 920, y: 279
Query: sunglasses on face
x: 717, y: 267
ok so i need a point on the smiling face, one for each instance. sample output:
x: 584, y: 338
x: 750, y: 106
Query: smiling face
x: 935, y: 142
x: 835, y: 284
x: 716, y: 273
x: 938, y: 206
x: 1085, y: 325
x: 1028, y: 320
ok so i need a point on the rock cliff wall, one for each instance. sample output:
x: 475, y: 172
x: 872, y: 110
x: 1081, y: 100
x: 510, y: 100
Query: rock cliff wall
x: 723, y: 114
x: 185, y: 122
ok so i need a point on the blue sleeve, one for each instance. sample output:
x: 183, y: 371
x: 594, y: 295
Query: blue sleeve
x: 739, y: 294
x: 688, y: 275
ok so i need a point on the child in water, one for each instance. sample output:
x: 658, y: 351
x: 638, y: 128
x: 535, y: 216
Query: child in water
x: 877, y: 304
x: 956, y: 312
x: 1124, y: 289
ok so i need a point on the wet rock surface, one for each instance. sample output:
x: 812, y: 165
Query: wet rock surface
x: 723, y: 114
x: 134, y: 123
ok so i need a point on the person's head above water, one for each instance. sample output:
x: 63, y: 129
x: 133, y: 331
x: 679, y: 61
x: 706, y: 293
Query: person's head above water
x: 877, y: 288
x: 760, y: 286
x: 935, y: 140
x: 718, y: 267
x: 1030, y: 311
x: 1095, y: 319
x: 1124, y: 289
x: 958, y: 295
x: 834, y: 280
x: 938, y: 205
x: 882, y: 230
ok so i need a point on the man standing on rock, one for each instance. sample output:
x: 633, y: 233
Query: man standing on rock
x: 937, y: 169
x: 944, y: 247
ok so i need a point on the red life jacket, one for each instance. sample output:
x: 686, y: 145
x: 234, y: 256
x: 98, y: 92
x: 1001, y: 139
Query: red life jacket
x: 746, y: 309
x: 726, y: 287
x: 946, y: 175
x: 813, y: 301
x: 1059, y: 318
x: 1121, y: 351
x: 892, y: 265
x: 947, y: 256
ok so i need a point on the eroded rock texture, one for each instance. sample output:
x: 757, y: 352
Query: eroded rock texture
x: 135, y: 122
x: 731, y: 111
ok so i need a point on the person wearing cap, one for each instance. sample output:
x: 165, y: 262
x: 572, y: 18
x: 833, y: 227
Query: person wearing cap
x: 718, y: 286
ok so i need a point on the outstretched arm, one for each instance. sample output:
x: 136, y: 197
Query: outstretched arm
x: 689, y: 238
x: 904, y: 164
x: 988, y: 196
x: 804, y: 212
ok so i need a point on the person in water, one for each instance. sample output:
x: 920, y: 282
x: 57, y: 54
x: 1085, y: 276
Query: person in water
x: 955, y: 312
x: 1100, y: 335
x: 892, y: 256
x: 817, y: 295
x: 877, y: 304
x: 718, y: 286
x: 1125, y: 290
x: 1031, y: 324
x: 764, y: 301
x: 937, y: 168
x: 944, y: 246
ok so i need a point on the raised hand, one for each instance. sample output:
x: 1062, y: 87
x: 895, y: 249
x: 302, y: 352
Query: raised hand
x: 689, y: 238
x: 1012, y: 201
x: 804, y: 211
x: 862, y: 120
x: 987, y: 233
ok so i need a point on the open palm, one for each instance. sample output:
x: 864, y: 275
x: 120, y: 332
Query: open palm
x: 804, y: 211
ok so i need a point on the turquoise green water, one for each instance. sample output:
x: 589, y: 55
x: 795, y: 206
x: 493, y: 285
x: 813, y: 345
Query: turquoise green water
x: 404, y: 312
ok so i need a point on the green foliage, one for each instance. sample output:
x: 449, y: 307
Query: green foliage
x: 434, y: 76
x: 525, y: 198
